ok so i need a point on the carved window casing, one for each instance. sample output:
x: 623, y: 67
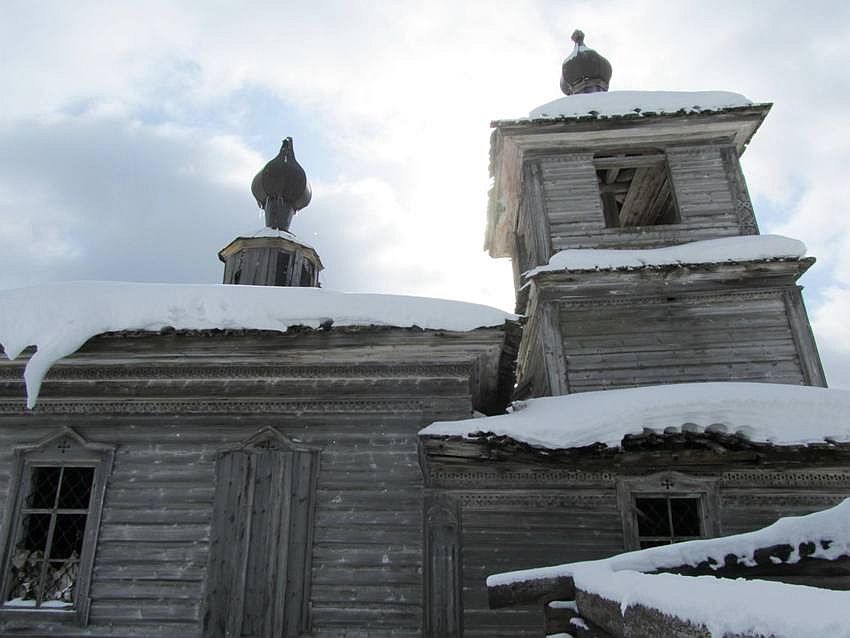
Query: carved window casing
x: 667, y: 507
x: 443, y: 567
x: 51, y: 527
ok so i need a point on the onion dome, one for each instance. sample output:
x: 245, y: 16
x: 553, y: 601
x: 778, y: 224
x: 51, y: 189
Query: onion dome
x: 584, y: 71
x: 281, y: 188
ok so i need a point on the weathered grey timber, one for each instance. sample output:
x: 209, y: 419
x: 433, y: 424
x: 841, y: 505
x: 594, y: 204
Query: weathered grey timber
x: 256, y: 484
x: 701, y: 152
x: 547, y: 507
x: 194, y: 417
x: 631, y: 327
x: 270, y: 261
x: 563, y: 601
x: 275, y: 257
x: 639, y: 181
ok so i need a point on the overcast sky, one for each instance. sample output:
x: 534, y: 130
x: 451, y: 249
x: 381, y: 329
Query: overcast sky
x: 130, y: 131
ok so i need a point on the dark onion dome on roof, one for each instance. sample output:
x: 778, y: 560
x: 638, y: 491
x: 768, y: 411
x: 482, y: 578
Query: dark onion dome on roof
x: 584, y: 71
x: 281, y: 188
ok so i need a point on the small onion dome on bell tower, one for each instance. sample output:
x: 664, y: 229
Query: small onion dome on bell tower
x: 274, y: 256
x: 584, y: 71
x: 281, y: 188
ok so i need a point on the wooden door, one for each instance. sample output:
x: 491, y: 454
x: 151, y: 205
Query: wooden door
x: 258, y: 579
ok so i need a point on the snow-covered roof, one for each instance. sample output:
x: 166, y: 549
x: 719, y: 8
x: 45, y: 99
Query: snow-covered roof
x: 762, y: 608
x: 59, y: 318
x: 760, y: 412
x: 831, y: 525
x: 725, y: 249
x: 606, y: 104
x: 725, y: 606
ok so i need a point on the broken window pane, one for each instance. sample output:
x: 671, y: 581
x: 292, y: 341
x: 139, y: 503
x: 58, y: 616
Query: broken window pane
x: 51, y: 530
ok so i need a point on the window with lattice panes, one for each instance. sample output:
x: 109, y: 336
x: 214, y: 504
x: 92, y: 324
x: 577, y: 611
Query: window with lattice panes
x: 667, y: 507
x: 48, y: 553
x: 662, y: 520
x: 46, y: 556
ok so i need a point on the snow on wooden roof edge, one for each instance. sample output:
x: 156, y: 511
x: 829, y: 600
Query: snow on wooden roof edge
x: 826, y: 525
x: 760, y: 412
x: 751, y: 606
x: 635, y: 104
x: 734, y: 249
x: 59, y: 318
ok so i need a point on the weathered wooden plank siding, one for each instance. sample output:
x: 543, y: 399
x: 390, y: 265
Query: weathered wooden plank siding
x: 508, y: 530
x: 746, y: 509
x: 699, y: 174
x: 361, y: 396
x: 514, y: 529
x: 531, y: 365
x: 152, y: 554
x: 686, y: 338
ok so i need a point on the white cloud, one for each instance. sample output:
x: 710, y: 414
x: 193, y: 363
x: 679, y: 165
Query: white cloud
x: 104, y: 127
x: 830, y: 318
x: 106, y: 198
x: 829, y: 321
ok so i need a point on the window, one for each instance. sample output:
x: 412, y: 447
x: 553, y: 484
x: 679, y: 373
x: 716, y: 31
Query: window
x: 307, y: 274
x: 281, y: 277
x: 635, y: 188
x: 663, y: 520
x: 665, y: 508
x: 50, y: 537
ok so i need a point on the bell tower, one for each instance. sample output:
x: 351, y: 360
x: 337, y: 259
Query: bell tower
x: 274, y: 257
x: 637, y: 257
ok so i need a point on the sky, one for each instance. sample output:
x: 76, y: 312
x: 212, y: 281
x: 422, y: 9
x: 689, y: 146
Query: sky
x: 130, y: 131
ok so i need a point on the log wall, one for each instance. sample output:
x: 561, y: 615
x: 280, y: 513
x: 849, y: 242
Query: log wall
x: 710, y: 200
x: 685, y: 338
x: 170, y: 404
x: 599, y: 330
x: 519, y: 515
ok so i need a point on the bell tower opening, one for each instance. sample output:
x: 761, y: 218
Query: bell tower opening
x: 635, y: 189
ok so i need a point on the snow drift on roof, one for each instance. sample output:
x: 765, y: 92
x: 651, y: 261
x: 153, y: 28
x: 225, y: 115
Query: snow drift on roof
x: 619, y: 103
x: 726, y: 249
x: 767, y: 412
x: 59, y: 318
x: 828, y: 525
x: 727, y: 607
x: 753, y: 607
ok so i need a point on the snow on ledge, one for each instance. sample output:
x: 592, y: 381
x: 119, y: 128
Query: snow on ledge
x: 830, y: 524
x: 749, y: 606
x: 636, y: 103
x: 726, y: 249
x: 59, y: 318
x: 753, y: 607
x: 763, y: 412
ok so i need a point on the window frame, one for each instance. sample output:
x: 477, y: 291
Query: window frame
x: 668, y: 485
x: 63, y: 448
